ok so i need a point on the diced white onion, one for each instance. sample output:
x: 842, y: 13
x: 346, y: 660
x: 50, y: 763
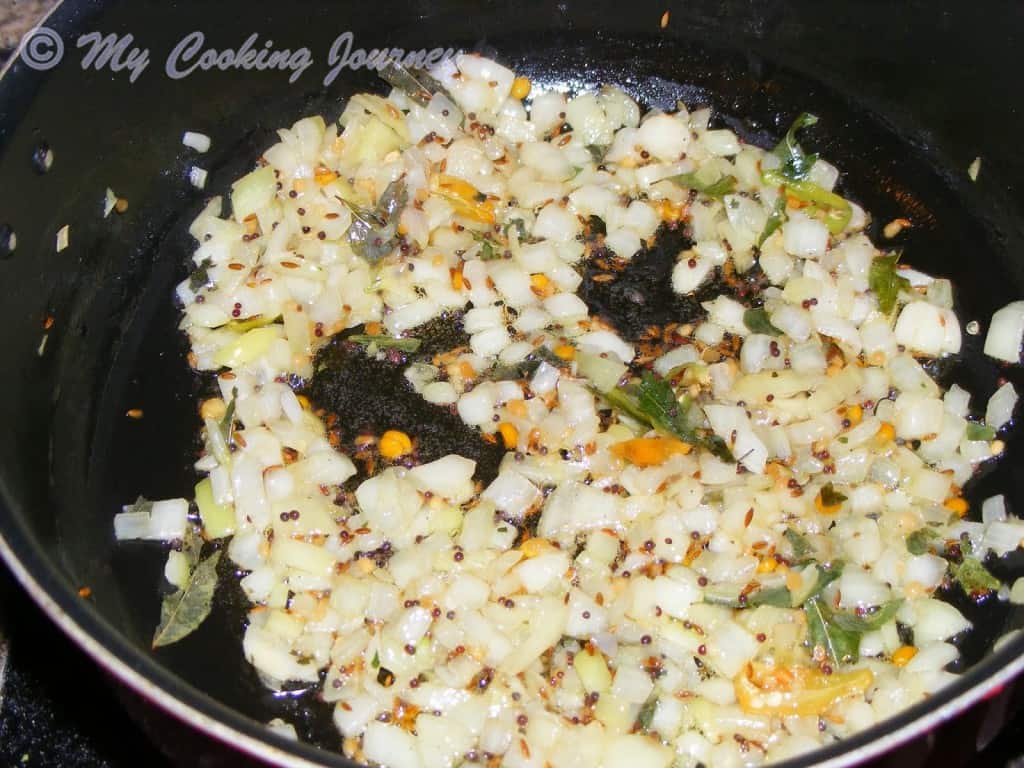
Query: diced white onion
x: 200, y: 142
x: 1005, y: 333
x: 999, y: 411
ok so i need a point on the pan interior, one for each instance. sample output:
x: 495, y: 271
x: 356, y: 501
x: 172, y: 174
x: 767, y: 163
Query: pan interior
x: 115, y: 345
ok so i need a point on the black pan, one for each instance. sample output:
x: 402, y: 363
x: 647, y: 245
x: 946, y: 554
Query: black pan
x: 909, y: 94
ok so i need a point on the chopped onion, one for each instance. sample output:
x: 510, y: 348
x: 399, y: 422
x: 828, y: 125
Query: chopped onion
x: 993, y: 509
x: 1017, y: 592
x: 512, y: 494
x: 163, y: 521
x: 999, y: 411
x: 1005, y: 333
x: 432, y: 581
x: 1003, y: 536
x: 928, y: 329
x: 805, y: 237
x: 936, y: 621
x: 200, y: 142
x: 109, y: 201
x: 197, y: 177
x: 450, y: 477
x: 63, y: 237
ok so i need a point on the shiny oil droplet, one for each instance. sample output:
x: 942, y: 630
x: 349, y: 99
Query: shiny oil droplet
x: 8, y: 241
x: 42, y: 158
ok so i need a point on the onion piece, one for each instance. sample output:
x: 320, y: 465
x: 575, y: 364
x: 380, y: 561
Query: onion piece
x: 165, y: 520
x: 1006, y: 332
x: 197, y: 177
x: 993, y: 509
x: 999, y: 410
x: 200, y: 142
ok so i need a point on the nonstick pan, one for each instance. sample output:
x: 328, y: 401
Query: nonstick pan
x: 909, y: 93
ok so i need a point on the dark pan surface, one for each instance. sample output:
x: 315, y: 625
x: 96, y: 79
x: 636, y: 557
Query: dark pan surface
x: 72, y: 457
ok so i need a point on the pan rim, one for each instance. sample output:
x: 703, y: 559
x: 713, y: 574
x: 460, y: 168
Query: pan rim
x: 91, y: 641
x: 235, y: 735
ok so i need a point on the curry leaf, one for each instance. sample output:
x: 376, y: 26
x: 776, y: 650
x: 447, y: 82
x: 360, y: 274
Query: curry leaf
x: 918, y: 543
x: 624, y: 399
x: 653, y: 402
x: 200, y: 278
x: 519, y: 226
x: 836, y: 209
x: 757, y: 321
x: 796, y: 164
x: 867, y: 622
x: 814, y: 579
x: 723, y: 186
x: 830, y: 497
x: 184, y: 610
x: 885, y: 281
x: 227, y: 424
x: 415, y: 83
x: 801, y: 546
x: 966, y: 548
x: 728, y: 595
x: 192, y: 547
x: 828, y: 573
x: 775, y: 220
x: 526, y: 367
x: 646, y: 714
x: 974, y: 577
x: 839, y: 644
x: 488, y: 249
x: 780, y: 597
x: 736, y: 596
x: 657, y: 399
x: 373, y: 233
